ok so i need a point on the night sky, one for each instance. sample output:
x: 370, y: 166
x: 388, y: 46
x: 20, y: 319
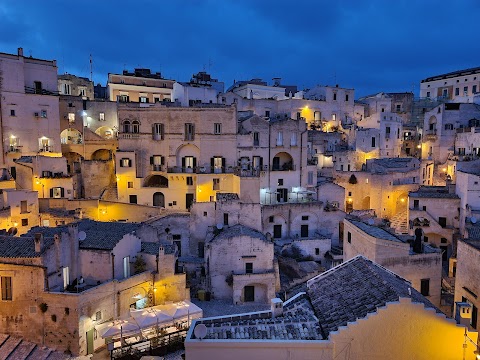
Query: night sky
x: 371, y: 46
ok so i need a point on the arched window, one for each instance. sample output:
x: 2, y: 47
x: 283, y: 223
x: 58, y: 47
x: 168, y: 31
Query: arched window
x: 135, y: 127
x: 126, y: 126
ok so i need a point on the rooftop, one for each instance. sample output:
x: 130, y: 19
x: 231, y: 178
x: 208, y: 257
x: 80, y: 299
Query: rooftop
x: 357, y: 287
x: 473, y: 243
x: 99, y: 235
x: 437, y: 192
x: 236, y: 231
x: 21, y: 247
x: 453, y: 74
x: 152, y: 248
x: 343, y: 294
x: 375, y: 231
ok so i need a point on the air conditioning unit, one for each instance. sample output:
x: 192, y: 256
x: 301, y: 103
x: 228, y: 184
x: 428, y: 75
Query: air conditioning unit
x: 36, y: 114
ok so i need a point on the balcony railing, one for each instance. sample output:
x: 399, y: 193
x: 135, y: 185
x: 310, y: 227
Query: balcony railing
x: 158, y: 167
x: 283, y: 167
x: 30, y: 90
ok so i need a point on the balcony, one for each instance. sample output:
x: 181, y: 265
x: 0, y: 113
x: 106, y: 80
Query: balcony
x: 157, y: 168
x: 430, y: 135
x: 283, y: 167
x: 30, y: 90
x: 129, y: 136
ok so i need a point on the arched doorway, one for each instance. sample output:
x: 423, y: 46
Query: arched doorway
x: 105, y: 132
x: 159, y: 199
x: 282, y: 161
x: 71, y: 136
x: 401, y: 204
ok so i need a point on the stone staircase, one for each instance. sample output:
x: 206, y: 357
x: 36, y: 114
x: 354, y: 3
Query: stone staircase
x: 400, y: 222
x: 14, y: 348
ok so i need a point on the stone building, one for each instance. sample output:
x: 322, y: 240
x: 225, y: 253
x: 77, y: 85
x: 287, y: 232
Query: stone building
x: 201, y: 89
x: 466, y: 278
x: 29, y: 107
x: 435, y: 210
x: 59, y: 283
x: 440, y: 129
x: 240, y: 265
x: 422, y: 268
x: 72, y: 85
x: 172, y: 156
x: 19, y: 211
x: 141, y: 86
x: 357, y: 310
x: 458, y: 86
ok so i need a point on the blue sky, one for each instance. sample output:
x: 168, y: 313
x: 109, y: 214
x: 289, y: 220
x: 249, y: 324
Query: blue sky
x: 371, y: 46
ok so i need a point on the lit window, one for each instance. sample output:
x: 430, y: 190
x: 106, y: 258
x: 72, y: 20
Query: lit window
x: 43, y: 113
x: 71, y: 118
x: 6, y: 284
x: 125, y: 162
x: 101, y: 116
x: 217, y: 128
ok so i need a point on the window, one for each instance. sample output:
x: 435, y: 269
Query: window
x: 399, y: 107
x: 267, y: 113
x: 448, y: 126
x: 373, y: 142
x: 293, y: 140
x: 256, y: 139
x: 299, y: 116
x: 425, y: 287
x: 216, y: 184
x: 101, y: 116
x: 123, y: 98
x: 143, y: 99
x: 126, y: 126
x: 98, y: 316
x: 457, y: 91
x: 126, y: 266
x: 135, y: 127
x: 334, y: 96
x: 442, y: 221
x: 38, y: 87
x: 82, y: 92
x: 130, y: 184
x: 225, y: 218
x: 387, y: 130
x: 43, y: 113
x: 66, y: 89
x: 279, y: 138
x: 317, y: 251
x: 416, y: 204
x: 334, y: 117
x: 125, y: 162
x: 310, y: 178
x: 346, y: 97
x: 304, y: 217
x: 158, y: 131
x: 23, y: 207
x: 6, y: 283
x: 428, y: 94
x: 24, y: 222
x: 280, y: 182
x: 189, y: 162
x: 57, y: 192
x: 189, y: 132
x: 12, y: 112
x: 474, y: 89
x: 217, y: 128
x: 465, y: 90
x: 133, y: 199
x: 304, y: 231
x: 248, y: 268
x: 205, y: 214
x: 157, y: 161
x: 349, y: 193
x: 445, y: 93
x: 189, y: 180
x: 271, y: 219
x: 218, y: 164
x: 349, y: 237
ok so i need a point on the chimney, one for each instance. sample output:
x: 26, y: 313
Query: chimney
x: 276, y: 306
x: 463, y: 313
x: 38, y: 242
x: 20, y: 51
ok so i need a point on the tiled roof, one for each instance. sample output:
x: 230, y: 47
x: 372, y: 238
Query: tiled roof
x: 100, y: 235
x: 437, y: 192
x: 25, y: 159
x: 152, y: 248
x: 473, y: 243
x: 354, y: 289
x: 239, y: 230
x: 298, y: 322
x: 20, y: 247
x: 473, y: 231
x: 375, y: 231
x: 393, y: 162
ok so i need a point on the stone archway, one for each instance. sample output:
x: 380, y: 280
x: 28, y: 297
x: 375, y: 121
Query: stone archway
x: 102, y: 154
x: 71, y: 136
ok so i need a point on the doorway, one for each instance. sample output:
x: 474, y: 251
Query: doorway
x: 249, y: 293
x: 90, y: 349
x: 188, y: 200
x: 159, y: 199
x: 277, y: 231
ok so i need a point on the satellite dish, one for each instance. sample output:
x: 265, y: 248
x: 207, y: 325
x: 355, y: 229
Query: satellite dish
x: 219, y: 226
x: 200, y: 331
x: 371, y: 222
x: 82, y: 235
x: 473, y: 220
x: 12, y: 231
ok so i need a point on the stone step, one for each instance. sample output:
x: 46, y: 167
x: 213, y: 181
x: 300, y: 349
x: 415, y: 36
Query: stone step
x: 9, y: 346
x: 39, y: 353
x: 22, y: 351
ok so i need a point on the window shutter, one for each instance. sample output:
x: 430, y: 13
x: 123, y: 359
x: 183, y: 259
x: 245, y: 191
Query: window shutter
x: 193, y: 132
x: 183, y: 162
x: 194, y: 162
x: 51, y: 193
x: 162, y: 160
x: 129, y: 162
x: 151, y: 160
x: 121, y: 162
x: 212, y: 163
x: 62, y: 192
x: 153, y: 132
x: 223, y: 164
